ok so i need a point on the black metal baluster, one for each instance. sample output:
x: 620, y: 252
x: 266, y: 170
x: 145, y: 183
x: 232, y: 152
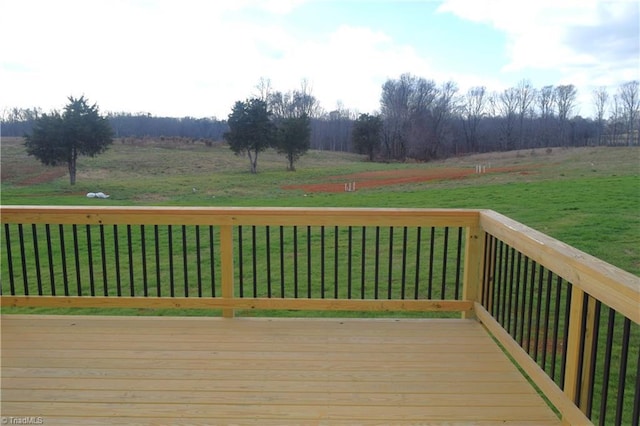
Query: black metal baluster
x: 282, y: 261
x: 504, y: 285
x: 416, y: 294
x: 377, y: 262
x: 516, y: 302
x: 36, y: 254
x: 295, y: 262
x: 486, y: 276
x: 606, y: 369
x: 580, y: 364
x: 254, y: 261
x: 172, y: 292
x: 556, y: 324
x: 509, y: 310
x: 547, y: 309
x: 349, y: 263
x: 145, y: 277
x: 404, y: 263
x: 77, y: 258
x: 23, y: 259
x: 635, y: 417
x: 565, y: 337
x: 268, y: 253
x: 47, y: 230
x: 523, y: 311
x: 63, y: 254
x: 594, y: 356
x: 458, y: 265
x: 335, y: 263
x: 132, y: 290
x: 103, y: 255
x: 116, y: 248
x: 92, y: 283
x: 157, y: 253
x: 390, y: 278
x: 12, y: 284
x: 538, y: 310
x: 309, y: 262
x: 240, y: 262
x: 185, y: 263
x: 624, y: 354
x: 212, y: 261
x: 431, y: 254
x: 497, y: 281
x: 445, y: 251
x: 322, y: 262
x: 198, y: 261
x: 530, y: 310
x: 363, y: 265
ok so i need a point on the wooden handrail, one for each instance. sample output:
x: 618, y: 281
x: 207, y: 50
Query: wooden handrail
x: 259, y: 216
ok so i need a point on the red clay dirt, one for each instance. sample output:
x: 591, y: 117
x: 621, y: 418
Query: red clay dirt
x: 396, y: 177
x: 44, y: 176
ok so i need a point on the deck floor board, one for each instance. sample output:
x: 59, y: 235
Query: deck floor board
x: 163, y: 370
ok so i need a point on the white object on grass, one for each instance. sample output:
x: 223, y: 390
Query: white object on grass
x: 97, y: 195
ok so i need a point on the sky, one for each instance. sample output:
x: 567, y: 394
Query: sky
x: 196, y: 58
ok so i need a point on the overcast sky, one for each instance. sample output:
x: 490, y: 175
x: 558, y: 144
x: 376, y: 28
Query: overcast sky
x: 196, y: 58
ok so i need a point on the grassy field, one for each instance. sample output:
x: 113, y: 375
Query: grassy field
x: 586, y: 197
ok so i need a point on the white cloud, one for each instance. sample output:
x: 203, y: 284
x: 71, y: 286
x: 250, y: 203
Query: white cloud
x: 186, y: 58
x: 541, y: 34
x: 198, y: 57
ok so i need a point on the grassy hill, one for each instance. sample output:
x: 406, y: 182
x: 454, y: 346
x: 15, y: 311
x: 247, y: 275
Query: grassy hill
x: 586, y: 197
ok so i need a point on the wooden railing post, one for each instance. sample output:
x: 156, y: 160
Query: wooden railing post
x: 226, y: 255
x: 473, y: 266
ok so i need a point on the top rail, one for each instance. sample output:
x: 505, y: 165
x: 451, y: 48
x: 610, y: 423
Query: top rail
x: 238, y: 216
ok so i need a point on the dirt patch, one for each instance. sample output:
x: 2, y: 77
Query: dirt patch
x: 398, y: 177
x: 44, y: 176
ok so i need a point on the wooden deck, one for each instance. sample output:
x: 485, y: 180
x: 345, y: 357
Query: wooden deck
x: 164, y: 370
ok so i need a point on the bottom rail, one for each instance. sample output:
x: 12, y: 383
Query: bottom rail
x: 237, y: 303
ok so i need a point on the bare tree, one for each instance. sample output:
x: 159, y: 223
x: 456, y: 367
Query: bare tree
x: 525, y: 97
x: 473, y: 110
x: 507, y: 105
x: 394, y: 106
x: 614, y: 119
x: 565, y: 97
x: 630, y: 103
x: 294, y: 104
x: 545, y: 99
x: 263, y: 89
x: 600, y: 100
x: 304, y: 103
x: 446, y: 106
x: 423, y: 137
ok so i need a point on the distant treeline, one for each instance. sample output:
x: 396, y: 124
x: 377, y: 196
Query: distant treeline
x: 422, y: 119
x: 328, y: 133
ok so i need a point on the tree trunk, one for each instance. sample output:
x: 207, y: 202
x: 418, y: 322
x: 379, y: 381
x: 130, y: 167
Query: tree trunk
x: 72, y: 166
x: 253, y: 161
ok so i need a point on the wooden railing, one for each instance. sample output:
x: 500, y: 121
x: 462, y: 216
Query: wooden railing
x: 569, y: 320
